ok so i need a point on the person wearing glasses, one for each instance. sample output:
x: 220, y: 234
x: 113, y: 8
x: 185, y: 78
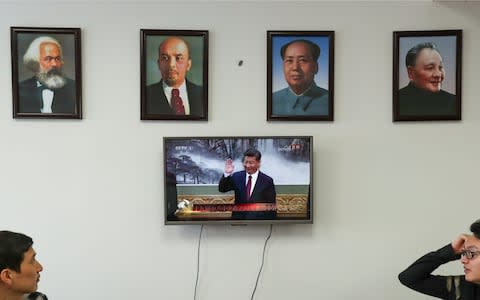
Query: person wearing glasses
x: 465, y: 247
x: 49, y: 90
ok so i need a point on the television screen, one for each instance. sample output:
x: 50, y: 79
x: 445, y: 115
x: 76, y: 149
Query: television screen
x: 238, y: 180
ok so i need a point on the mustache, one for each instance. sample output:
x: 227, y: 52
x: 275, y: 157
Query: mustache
x: 53, y: 78
x: 54, y: 71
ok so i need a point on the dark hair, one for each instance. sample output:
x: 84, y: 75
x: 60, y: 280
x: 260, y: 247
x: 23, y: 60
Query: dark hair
x: 412, y: 54
x: 475, y: 228
x: 12, y: 249
x: 252, y: 152
x: 314, y: 49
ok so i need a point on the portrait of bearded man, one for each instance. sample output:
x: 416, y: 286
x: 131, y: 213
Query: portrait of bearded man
x: 47, y: 91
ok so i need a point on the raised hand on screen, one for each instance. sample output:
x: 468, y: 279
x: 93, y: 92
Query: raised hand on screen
x: 229, y: 166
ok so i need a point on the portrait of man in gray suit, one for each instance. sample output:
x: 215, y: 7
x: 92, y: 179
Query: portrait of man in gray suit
x: 300, y: 78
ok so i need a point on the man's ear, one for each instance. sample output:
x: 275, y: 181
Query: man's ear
x: 410, y: 72
x: 6, y: 277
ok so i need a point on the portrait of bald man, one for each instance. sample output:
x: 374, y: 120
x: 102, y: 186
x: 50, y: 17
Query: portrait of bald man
x: 45, y: 77
x: 176, y: 87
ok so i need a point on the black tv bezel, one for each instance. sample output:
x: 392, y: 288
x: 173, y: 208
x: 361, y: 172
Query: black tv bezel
x: 308, y: 220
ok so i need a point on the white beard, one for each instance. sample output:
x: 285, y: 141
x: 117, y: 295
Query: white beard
x: 52, y: 81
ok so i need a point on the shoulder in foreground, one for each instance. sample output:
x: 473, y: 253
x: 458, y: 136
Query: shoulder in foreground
x: 35, y: 296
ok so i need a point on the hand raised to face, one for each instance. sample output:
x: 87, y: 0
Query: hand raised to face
x: 458, y: 243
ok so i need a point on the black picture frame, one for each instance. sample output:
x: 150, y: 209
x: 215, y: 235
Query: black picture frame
x: 154, y: 104
x: 66, y: 101
x: 427, y: 90
x: 316, y: 104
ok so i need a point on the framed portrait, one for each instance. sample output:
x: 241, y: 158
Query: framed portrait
x: 174, y: 74
x: 46, y: 72
x: 427, y: 75
x: 300, y: 68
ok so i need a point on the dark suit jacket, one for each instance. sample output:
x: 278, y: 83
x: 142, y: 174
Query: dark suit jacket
x: 414, y: 101
x: 157, y: 102
x: 30, y: 97
x: 263, y: 192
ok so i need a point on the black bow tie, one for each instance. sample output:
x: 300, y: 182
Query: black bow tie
x: 44, y: 87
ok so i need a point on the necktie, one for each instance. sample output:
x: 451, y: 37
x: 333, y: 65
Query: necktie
x: 177, y: 103
x: 249, y: 187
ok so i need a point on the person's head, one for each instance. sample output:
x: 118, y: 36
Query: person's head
x: 300, y: 64
x: 19, y: 269
x: 471, y: 254
x: 425, y: 67
x: 44, y: 58
x: 251, y: 160
x: 174, y: 61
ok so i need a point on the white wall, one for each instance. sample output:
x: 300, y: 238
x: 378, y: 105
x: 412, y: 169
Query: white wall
x: 90, y: 191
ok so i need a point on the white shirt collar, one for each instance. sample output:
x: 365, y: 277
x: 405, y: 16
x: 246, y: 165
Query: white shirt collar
x: 47, y: 99
x: 254, y: 177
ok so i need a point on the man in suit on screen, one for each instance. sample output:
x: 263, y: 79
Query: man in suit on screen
x: 250, y: 186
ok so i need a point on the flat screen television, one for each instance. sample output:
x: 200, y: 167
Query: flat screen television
x: 200, y: 188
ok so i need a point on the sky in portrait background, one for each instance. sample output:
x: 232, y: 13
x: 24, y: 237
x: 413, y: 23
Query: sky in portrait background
x: 447, y: 46
x: 278, y: 79
x: 195, y: 44
x: 68, y: 50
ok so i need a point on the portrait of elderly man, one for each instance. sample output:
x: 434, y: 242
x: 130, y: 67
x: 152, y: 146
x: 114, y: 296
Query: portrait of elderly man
x: 49, y: 90
x: 302, y: 97
x: 424, y: 96
x: 174, y: 94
